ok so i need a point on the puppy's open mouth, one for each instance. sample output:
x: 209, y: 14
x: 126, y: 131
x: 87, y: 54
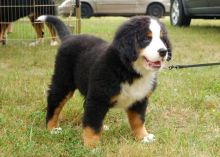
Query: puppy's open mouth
x: 155, y: 65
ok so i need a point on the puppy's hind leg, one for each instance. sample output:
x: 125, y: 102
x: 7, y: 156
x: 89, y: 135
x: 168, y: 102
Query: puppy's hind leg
x: 61, y: 90
x: 3, y: 33
x: 96, y: 108
x: 38, y: 27
x: 53, y: 35
x: 56, y: 101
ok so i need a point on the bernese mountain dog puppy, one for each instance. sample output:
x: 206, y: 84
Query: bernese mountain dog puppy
x: 12, y: 10
x: 119, y: 74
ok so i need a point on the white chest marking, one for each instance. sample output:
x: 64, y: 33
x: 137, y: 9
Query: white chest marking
x: 138, y: 90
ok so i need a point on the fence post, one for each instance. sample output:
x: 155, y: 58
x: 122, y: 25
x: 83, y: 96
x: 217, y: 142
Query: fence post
x: 78, y: 16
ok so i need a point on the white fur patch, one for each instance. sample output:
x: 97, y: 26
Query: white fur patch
x: 151, y: 51
x: 149, y: 138
x: 54, y: 43
x: 56, y: 131
x: 42, y: 18
x: 105, y: 127
x: 137, y: 91
x: 37, y: 42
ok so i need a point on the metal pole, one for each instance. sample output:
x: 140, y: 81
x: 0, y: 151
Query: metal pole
x: 78, y: 16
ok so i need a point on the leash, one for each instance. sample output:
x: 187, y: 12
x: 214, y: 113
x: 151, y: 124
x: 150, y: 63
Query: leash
x: 192, y: 65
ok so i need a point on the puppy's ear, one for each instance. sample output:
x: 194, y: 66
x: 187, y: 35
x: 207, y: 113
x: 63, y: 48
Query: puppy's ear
x: 169, y: 48
x: 167, y: 42
x: 126, y: 44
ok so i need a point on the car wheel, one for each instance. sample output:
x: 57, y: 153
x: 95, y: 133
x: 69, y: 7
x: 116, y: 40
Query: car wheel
x: 177, y: 15
x: 155, y: 10
x: 86, y: 11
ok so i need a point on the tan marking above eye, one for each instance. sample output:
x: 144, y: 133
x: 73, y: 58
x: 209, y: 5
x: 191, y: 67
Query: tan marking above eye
x: 149, y: 34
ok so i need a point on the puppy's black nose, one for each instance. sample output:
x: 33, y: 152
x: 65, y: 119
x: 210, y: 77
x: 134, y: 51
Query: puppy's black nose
x: 162, y: 52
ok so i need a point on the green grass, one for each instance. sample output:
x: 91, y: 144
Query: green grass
x: 184, y: 112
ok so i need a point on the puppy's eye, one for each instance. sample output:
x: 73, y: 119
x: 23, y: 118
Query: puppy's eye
x: 149, y: 35
x: 147, y: 41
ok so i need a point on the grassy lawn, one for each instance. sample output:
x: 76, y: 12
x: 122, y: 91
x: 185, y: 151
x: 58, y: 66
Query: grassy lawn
x: 184, y: 112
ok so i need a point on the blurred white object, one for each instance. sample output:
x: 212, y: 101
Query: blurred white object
x: 67, y: 7
x: 56, y: 131
x: 149, y: 138
x: 105, y: 127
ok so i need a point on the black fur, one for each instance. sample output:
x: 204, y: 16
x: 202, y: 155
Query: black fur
x: 12, y: 10
x: 97, y: 68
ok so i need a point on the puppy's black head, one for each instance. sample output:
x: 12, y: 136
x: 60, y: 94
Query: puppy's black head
x: 143, y: 39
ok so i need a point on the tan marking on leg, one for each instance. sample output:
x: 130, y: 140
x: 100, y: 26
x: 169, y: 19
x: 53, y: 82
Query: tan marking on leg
x: 3, y: 34
x: 90, y: 137
x: 38, y: 27
x: 53, y: 122
x: 52, y: 31
x: 10, y: 28
x: 137, y: 126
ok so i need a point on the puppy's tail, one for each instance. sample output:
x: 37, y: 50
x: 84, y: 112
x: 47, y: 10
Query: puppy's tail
x: 59, y: 26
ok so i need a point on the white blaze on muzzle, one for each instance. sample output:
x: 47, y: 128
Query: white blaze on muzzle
x: 151, y: 51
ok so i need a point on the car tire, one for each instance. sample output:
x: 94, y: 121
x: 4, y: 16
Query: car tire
x: 177, y: 14
x: 156, y: 10
x: 86, y: 10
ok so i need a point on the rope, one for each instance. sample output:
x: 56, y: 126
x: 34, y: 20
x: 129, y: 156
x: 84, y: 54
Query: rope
x: 192, y: 65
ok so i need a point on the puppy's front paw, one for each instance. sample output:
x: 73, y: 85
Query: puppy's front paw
x: 56, y: 131
x: 149, y: 138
